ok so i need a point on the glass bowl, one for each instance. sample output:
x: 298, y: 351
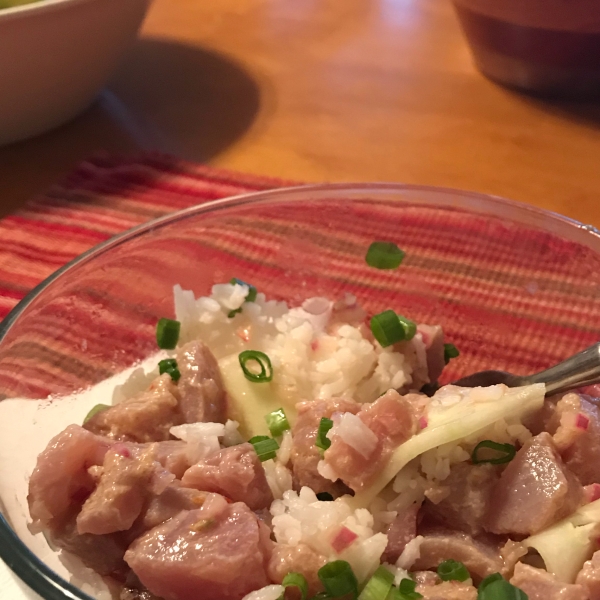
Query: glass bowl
x: 515, y: 288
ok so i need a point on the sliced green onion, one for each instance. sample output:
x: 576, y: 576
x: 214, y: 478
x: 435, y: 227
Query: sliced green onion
x: 258, y: 438
x: 338, y: 579
x: 166, y: 364
x: 387, y: 329
x: 167, y: 333
x: 265, y: 447
x: 321, y: 596
x: 169, y: 365
x: 453, y: 570
x: 324, y: 497
x: 250, y: 296
x: 489, y: 579
x: 264, y: 363
x: 406, y: 590
x: 495, y: 587
x: 277, y: 422
x: 506, y: 453
x: 296, y: 580
x: 322, y: 440
x: 407, y: 586
x: 410, y: 327
x: 379, y: 586
x: 175, y: 374
x: 450, y: 352
x: 384, y: 255
x: 94, y: 411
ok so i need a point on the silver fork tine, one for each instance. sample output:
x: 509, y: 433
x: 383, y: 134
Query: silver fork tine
x: 579, y: 370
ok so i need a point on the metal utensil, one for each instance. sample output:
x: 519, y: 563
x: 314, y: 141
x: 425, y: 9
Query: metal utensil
x: 577, y: 371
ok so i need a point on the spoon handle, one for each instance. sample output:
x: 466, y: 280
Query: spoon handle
x: 579, y: 370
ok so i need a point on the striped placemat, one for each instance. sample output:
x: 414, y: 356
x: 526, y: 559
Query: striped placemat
x: 510, y: 297
x: 102, y: 197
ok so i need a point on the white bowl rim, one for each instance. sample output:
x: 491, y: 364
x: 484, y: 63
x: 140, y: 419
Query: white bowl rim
x: 38, y: 7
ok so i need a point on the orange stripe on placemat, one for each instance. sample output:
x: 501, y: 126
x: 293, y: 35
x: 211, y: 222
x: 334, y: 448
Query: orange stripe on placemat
x: 473, y: 274
x: 102, y: 197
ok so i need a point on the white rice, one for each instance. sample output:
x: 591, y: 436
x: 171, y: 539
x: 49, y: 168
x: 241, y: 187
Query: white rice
x: 230, y: 296
x: 398, y: 573
x: 432, y: 468
x: 303, y: 518
x: 411, y: 553
x: 311, y: 358
x: 204, y: 439
x: 232, y: 436
x: 285, y: 448
x: 279, y: 477
x: 382, y: 516
x: 324, y: 469
x: 137, y: 382
x: 435, y: 464
x: 269, y: 592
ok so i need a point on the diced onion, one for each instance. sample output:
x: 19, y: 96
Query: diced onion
x: 354, y: 432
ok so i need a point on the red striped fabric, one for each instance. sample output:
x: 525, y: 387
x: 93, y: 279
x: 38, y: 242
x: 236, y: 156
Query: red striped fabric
x: 101, y: 198
x: 509, y: 297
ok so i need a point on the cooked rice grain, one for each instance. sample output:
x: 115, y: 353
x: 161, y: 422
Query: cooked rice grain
x: 303, y: 518
x: 269, y: 592
x: 311, y: 358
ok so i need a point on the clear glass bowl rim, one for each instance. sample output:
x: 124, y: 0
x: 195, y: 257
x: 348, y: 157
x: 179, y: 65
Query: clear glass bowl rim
x: 43, y: 580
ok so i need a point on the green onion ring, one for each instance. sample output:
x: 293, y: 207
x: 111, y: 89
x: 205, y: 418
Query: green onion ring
x: 266, y: 369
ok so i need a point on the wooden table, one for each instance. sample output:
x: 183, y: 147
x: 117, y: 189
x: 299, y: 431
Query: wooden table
x: 315, y: 90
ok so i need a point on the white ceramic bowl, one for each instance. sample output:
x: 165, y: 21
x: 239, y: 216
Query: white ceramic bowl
x: 55, y: 56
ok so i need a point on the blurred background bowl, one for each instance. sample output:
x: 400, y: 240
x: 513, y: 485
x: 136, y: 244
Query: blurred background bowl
x: 548, y: 47
x: 55, y: 56
x: 515, y: 288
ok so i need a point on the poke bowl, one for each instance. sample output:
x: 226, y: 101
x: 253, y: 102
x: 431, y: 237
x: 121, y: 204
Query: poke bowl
x: 227, y: 403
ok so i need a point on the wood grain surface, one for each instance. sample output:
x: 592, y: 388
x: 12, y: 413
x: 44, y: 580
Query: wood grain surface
x: 325, y: 90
